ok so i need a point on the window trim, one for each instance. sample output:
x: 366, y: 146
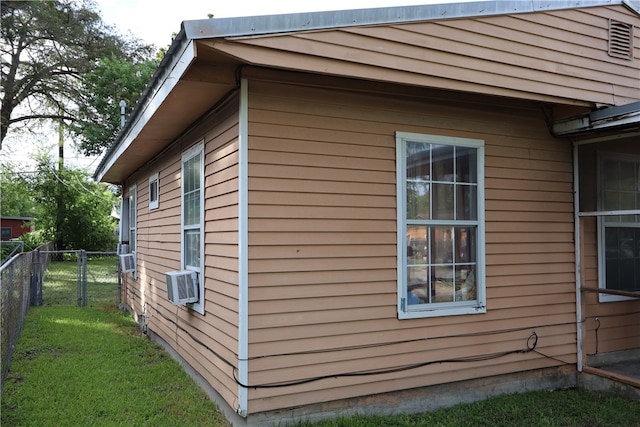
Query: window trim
x: 127, y: 209
x: 601, y: 224
x: 154, y: 180
x: 197, y: 149
x: 401, y: 185
x: 133, y: 217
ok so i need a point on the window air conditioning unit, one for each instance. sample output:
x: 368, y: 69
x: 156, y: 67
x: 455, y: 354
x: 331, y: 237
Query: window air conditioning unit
x: 182, y: 286
x: 127, y: 263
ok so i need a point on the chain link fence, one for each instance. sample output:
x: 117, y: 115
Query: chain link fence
x: 81, y: 278
x: 44, y: 277
x: 19, y: 283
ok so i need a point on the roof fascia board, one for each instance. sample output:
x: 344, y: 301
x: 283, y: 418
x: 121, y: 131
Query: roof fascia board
x: 182, y: 59
x: 292, y: 22
x: 620, y: 117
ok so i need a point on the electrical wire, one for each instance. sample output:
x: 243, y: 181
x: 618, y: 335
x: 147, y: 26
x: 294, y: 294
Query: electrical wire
x: 530, y: 347
x: 390, y: 343
x: 532, y: 342
x: 197, y: 340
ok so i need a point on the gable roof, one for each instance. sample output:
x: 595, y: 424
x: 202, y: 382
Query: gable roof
x: 185, y: 74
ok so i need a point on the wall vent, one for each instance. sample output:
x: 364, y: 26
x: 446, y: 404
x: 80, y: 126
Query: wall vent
x: 620, y: 40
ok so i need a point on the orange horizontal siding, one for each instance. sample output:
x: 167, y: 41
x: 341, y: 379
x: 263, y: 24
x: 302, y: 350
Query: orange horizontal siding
x: 159, y: 251
x: 322, y: 243
x: 539, y: 56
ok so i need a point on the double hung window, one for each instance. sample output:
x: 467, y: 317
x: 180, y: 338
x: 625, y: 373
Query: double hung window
x: 127, y: 240
x: 619, y: 234
x: 440, y: 225
x: 193, y: 215
x: 132, y: 218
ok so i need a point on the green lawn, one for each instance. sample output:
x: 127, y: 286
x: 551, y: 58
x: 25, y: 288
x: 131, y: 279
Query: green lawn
x: 533, y: 409
x: 90, y: 366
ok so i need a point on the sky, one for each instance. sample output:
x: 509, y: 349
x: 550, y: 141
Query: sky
x: 155, y: 22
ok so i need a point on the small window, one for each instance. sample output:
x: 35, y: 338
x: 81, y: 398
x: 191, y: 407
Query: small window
x: 7, y: 232
x: 440, y: 209
x: 154, y: 187
x: 620, y: 40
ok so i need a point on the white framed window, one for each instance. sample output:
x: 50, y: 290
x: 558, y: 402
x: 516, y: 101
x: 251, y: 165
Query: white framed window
x: 618, y: 235
x: 440, y: 206
x: 127, y: 240
x: 192, y: 223
x: 132, y: 218
x: 154, y: 191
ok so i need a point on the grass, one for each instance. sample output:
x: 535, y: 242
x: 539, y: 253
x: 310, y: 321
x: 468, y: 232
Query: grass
x: 91, y: 366
x: 532, y: 409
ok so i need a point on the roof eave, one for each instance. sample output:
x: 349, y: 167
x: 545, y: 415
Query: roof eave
x: 179, y: 55
x: 174, y: 56
x: 620, y: 118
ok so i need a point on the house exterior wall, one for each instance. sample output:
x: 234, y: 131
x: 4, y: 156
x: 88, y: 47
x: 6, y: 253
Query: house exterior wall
x: 556, y: 56
x: 322, y: 242
x: 198, y: 339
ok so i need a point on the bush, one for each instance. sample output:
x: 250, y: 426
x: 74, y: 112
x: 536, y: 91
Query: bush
x: 32, y: 240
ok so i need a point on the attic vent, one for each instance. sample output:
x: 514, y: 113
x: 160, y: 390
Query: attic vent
x: 620, y: 40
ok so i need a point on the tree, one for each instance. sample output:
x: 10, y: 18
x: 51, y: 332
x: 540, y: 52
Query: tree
x: 46, y: 47
x: 83, y: 219
x: 112, y: 80
x: 15, y: 199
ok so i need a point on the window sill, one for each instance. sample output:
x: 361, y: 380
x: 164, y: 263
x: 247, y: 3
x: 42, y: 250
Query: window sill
x: 441, y: 312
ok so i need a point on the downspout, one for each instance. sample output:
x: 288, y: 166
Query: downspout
x: 578, y: 253
x: 243, y: 249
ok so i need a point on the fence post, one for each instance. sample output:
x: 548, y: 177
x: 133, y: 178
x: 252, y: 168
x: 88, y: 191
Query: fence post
x: 119, y: 297
x: 36, y: 279
x: 82, y: 278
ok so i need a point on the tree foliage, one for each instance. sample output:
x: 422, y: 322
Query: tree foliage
x: 15, y: 196
x: 111, y: 81
x: 47, y: 46
x: 73, y: 210
x: 69, y: 208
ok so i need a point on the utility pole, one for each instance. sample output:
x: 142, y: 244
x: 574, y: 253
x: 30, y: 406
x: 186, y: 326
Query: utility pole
x: 59, y: 194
